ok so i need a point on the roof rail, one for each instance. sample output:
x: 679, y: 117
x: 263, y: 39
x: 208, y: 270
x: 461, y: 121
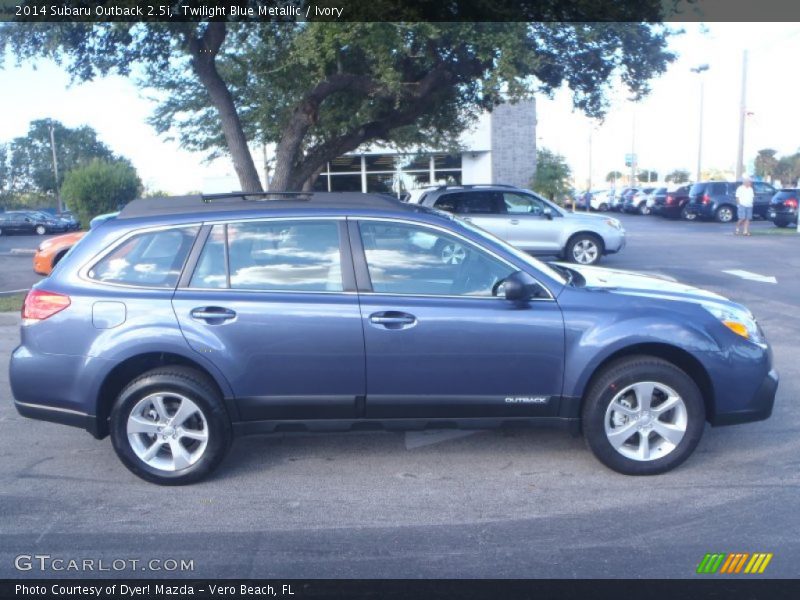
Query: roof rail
x: 258, y: 196
x: 474, y: 185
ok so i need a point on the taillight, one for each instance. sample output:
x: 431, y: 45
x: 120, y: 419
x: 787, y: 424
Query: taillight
x: 41, y: 304
x: 706, y: 199
x: 791, y: 202
x: 670, y: 199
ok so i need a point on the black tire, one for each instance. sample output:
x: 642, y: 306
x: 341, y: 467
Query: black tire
x: 643, y: 210
x: 616, y: 377
x: 725, y: 214
x: 603, y: 207
x: 579, y: 238
x: 40, y: 230
x: 200, y: 390
x: 688, y: 216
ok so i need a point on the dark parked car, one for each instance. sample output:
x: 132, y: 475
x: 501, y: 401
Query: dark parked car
x: 70, y: 220
x: 783, y: 208
x: 672, y: 204
x: 187, y: 321
x: 19, y: 221
x: 619, y: 199
x: 717, y: 200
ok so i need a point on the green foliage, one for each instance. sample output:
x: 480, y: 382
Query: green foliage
x: 100, y: 187
x: 646, y: 176
x: 787, y: 171
x: 766, y: 163
x: 318, y: 90
x: 613, y: 176
x: 553, y: 175
x: 677, y: 176
x: 30, y: 158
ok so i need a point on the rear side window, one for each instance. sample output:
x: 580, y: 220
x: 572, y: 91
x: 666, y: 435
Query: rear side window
x: 719, y: 189
x: 478, y: 202
x: 271, y: 256
x: 151, y: 259
x: 697, y: 189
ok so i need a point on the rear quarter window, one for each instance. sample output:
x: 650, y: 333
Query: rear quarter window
x: 150, y: 259
x: 697, y: 189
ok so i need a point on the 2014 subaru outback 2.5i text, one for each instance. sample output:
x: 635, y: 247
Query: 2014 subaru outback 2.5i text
x: 187, y: 321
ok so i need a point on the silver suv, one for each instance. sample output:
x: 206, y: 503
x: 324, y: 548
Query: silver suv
x: 528, y: 221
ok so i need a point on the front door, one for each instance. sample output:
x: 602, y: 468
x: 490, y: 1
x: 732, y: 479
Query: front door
x: 270, y: 304
x: 438, y: 342
x: 530, y: 227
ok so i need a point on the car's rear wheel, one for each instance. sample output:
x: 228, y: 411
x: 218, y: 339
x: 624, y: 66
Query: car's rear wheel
x: 724, y: 214
x: 643, y: 416
x: 643, y: 209
x: 603, y: 207
x: 584, y: 249
x: 41, y: 230
x: 169, y: 426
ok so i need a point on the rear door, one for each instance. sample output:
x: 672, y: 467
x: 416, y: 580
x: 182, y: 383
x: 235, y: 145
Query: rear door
x: 272, y: 304
x: 762, y: 194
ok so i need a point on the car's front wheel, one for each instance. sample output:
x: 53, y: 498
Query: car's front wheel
x: 688, y: 215
x: 169, y: 426
x: 603, y: 207
x: 643, y: 416
x: 41, y: 230
x: 644, y: 209
x: 584, y: 249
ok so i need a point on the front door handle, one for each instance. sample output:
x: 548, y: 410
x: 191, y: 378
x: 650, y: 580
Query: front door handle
x: 393, y: 320
x: 213, y: 314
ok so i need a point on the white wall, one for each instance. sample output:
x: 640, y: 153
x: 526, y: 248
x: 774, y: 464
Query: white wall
x: 476, y: 167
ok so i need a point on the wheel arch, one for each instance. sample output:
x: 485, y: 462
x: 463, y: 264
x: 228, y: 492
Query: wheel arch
x: 130, y: 368
x: 572, y: 235
x: 679, y: 357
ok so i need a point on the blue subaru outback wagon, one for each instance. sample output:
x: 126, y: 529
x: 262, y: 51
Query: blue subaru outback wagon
x: 188, y: 321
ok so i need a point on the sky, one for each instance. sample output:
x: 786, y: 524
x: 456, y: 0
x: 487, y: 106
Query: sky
x: 666, y: 122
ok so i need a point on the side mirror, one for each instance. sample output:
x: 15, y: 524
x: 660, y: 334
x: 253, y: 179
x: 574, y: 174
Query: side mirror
x: 520, y: 286
x: 548, y: 214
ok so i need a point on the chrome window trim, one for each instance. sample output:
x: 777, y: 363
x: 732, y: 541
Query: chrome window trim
x: 83, y: 272
x: 455, y: 234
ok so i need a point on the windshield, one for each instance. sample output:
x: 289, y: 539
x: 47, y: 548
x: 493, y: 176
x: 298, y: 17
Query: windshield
x: 524, y: 256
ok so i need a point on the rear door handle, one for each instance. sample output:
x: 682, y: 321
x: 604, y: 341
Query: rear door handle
x: 514, y: 221
x: 212, y: 314
x: 393, y: 320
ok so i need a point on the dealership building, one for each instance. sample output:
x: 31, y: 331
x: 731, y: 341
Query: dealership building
x: 500, y: 148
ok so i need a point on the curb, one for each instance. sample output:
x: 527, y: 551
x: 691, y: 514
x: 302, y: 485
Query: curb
x: 22, y: 251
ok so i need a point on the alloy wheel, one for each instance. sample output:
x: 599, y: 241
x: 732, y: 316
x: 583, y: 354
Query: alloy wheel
x: 646, y: 421
x: 453, y: 254
x: 585, y: 251
x: 167, y: 431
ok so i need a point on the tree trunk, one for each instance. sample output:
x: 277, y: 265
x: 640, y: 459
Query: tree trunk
x: 204, y: 52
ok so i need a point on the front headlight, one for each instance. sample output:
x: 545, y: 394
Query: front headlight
x: 738, y: 321
x: 614, y: 223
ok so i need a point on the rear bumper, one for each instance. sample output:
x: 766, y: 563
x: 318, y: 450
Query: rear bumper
x: 758, y: 408
x: 705, y: 211
x: 63, y: 416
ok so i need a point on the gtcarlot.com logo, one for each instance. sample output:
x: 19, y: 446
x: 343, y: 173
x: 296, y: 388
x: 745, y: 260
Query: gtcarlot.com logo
x: 734, y: 562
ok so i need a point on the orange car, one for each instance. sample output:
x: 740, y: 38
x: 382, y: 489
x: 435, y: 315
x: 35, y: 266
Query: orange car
x: 53, y: 250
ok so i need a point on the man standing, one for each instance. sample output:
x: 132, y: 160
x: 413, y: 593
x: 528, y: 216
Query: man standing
x: 744, y: 198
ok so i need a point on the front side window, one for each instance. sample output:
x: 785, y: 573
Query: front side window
x: 523, y: 204
x: 409, y: 259
x: 301, y: 256
x: 151, y: 259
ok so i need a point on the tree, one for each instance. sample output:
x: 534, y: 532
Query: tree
x: 613, y: 176
x: 765, y: 163
x: 317, y: 90
x: 31, y: 157
x: 100, y: 187
x: 646, y: 176
x: 677, y: 176
x: 787, y: 171
x: 553, y: 175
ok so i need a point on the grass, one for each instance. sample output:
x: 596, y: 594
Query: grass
x: 775, y: 231
x: 11, y: 302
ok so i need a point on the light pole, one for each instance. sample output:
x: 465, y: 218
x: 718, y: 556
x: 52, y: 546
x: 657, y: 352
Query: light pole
x: 699, y: 70
x: 742, y: 111
x: 55, y: 168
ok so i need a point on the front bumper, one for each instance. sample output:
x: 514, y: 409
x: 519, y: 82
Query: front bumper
x: 759, y: 407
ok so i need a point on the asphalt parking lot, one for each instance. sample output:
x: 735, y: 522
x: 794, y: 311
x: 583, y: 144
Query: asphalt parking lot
x: 453, y: 504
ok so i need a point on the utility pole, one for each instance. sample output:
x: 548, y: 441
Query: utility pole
x: 266, y: 166
x: 633, y: 150
x: 589, y: 203
x: 742, y: 114
x: 699, y: 70
x: 55, y: 168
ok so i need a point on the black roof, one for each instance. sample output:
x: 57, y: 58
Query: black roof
x: 239, y: 201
